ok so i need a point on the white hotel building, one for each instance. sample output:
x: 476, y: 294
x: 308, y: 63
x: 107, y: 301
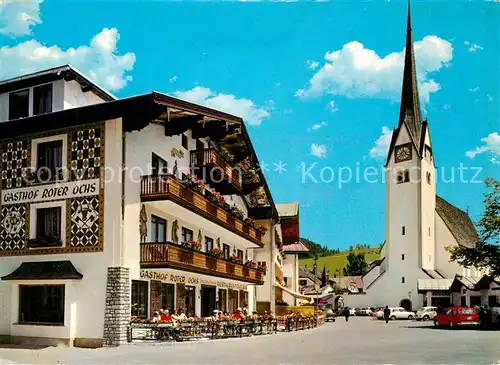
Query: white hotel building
x: 96, y: 201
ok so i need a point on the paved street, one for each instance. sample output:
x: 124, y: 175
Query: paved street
x: 360, y: 341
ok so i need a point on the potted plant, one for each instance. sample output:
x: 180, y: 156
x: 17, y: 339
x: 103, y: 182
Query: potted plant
x: 234, y: 258
x: 250, y: 264
x: 218, y: 199
x: 216, y: 252
x: 237, y: 211
x: 226, y: 155
x: 194, y: 183
x: 192, y: 245
x: 261, y: 229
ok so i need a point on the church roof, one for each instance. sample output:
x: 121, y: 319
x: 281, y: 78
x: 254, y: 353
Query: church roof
x: 410, y: 114
x: 458, y: 222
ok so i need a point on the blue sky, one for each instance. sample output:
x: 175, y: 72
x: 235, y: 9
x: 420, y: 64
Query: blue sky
x: 317, y: 83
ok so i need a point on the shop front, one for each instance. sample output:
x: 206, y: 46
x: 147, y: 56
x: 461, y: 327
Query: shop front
x: 198, y: 295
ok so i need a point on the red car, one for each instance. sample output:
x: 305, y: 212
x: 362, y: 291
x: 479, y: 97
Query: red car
x: 454, y: 317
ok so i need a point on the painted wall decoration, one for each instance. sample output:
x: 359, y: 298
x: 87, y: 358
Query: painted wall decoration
x: 86, y: 146
x: 13, y: 222
x: 85, y: 222
x: 177, y: 153
x: 85, y: 199
x: 175, y: 230
x: 15, y: 162
x: 143, y: 224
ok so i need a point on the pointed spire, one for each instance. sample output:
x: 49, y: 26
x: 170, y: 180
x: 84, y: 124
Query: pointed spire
x: 410, y: 105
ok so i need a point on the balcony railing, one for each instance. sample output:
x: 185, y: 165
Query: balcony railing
x: 168, y: 187
x: 172, y: 255
x: 214, y: 169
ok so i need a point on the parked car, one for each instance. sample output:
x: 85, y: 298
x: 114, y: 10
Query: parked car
x: 396, y: 313
x: 364, y: 311
x: 426, y: 313
x: 330, y: 315
x: 453, y: 317
x: 352, y: 311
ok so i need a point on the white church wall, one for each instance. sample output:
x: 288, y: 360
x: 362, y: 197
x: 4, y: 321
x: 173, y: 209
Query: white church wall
x: 444, y: 238
x: 428, y: 199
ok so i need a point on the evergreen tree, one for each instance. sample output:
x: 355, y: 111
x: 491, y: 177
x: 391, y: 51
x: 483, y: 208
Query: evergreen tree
x: 356, y: 265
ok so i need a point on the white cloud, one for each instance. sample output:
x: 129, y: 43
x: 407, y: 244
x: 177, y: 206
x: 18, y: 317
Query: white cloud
x: 382, y: 144
x: 317, y: 126
x: 447, y: 106
x: 244, y: 108
x: 494, y: 160
x: 473, y: 47
x: 99, y: 60
x: 491, y: 145
x: 356, y: 71
x: 18, y: 16
x: 474, y: 89
x: 332, y: 106
x: 313, y: 65
x: 490, y: 98
x: 173, y: 79
x: 318, y: 150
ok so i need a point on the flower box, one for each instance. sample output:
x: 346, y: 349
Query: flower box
x: 192, y: 245
x: 216, y: 252
x: 250, y: 264
x: 194, y: 183
x: 236, y: 259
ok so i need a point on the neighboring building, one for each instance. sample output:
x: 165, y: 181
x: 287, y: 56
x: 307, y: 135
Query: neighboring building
x: 293, y: 253
x: 97, y: 197
x: 281, y: 256
x: 419, y: 224
x: 308, y: 280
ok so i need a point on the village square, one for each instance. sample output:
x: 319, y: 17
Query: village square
x: 147, y: 228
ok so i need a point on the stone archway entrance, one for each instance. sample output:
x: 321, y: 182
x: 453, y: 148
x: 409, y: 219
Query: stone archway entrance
x: 406, y: 304
x: 338, y: 302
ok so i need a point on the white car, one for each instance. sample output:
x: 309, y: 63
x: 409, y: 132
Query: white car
x: 352, y: 311
x: 426, y: 313
x: 396, y: 313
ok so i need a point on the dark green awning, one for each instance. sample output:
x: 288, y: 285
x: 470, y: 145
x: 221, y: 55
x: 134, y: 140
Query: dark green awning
x: 45, y: 270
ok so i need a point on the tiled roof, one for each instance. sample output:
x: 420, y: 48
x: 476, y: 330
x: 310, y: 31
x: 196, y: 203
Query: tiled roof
x: 346, y: 282
x: 44, y: 270
x: 305, y: 273
x: 458, y: 222
x: 296, y: 247
x: 288, y: 209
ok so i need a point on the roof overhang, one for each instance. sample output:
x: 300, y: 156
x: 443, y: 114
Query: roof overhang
x: 45, y: 270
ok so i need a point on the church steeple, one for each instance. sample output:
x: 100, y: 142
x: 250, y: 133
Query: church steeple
x: 410, y: 105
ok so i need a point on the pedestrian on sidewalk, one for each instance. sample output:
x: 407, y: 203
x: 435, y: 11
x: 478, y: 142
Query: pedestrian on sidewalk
x: 387, y: 313
x: 346, y: 314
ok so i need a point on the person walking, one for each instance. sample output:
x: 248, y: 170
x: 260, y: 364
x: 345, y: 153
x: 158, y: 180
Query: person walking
x: 346, y: 314
x: 387, y: 313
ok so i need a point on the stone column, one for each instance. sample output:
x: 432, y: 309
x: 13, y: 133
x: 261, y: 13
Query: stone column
x: 117, y: 310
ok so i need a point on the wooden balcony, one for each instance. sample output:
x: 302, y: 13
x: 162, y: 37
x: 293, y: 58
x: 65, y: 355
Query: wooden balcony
x: 212, y: 168
x: 172, y: 255
x: 167, y: 187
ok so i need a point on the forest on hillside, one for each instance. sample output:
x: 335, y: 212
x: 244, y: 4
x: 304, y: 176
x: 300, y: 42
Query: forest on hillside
x: 322, y: 251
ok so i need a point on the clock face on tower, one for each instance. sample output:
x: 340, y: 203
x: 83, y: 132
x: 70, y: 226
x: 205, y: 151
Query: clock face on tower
x: 403, y: 152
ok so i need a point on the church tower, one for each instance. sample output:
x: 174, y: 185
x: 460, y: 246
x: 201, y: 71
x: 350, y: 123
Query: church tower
x: 410, y: 187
